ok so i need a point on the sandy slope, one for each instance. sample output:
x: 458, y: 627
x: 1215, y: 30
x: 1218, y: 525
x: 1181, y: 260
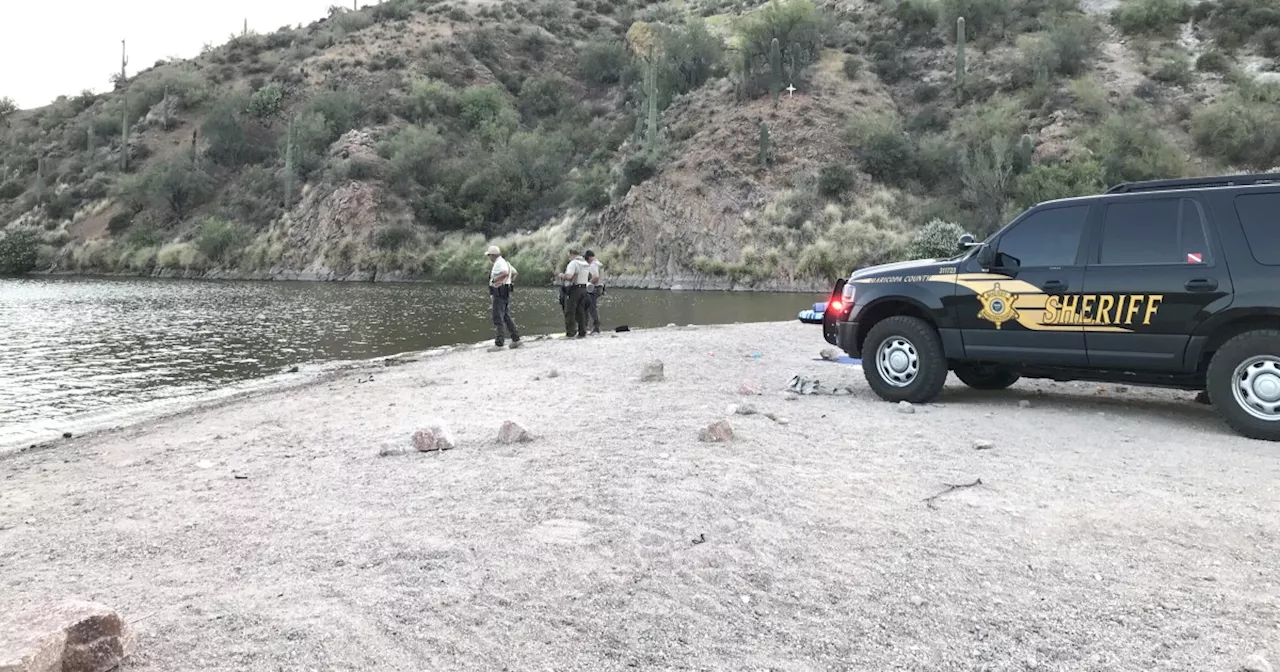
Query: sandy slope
x: 1113, y: 531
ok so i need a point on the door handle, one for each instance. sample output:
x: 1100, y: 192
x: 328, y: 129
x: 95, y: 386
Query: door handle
x: 1054, y: 286
x: 1201, y: 285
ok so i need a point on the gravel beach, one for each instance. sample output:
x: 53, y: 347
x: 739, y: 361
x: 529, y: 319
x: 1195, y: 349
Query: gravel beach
x: 1112, y: 529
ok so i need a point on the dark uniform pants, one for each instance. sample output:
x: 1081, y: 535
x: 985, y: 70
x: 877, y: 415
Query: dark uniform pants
x: 592, y: 297
x: 501, y: 300
x: 575, y: 311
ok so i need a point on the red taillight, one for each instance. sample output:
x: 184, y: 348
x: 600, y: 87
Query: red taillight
x: 837, y: 306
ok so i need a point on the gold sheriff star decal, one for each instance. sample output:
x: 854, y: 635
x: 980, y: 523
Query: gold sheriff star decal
x: 997, y: 306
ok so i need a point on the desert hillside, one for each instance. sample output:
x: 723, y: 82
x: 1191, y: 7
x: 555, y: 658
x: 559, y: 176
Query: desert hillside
x: 711, y: 143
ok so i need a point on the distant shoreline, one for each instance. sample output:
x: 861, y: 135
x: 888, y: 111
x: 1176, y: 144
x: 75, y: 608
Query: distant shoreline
x: 692, y: 283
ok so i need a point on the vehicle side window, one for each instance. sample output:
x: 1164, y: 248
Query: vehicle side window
x: 1045, y: 238
x: 1156, y: 231
x: 1260, y: 218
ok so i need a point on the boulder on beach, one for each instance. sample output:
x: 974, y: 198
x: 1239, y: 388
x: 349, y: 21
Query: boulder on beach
x: 652, y: 372
x: 716, y: 432
x: 514, y: 432
x: 71, y: 636
x: 433, y: 437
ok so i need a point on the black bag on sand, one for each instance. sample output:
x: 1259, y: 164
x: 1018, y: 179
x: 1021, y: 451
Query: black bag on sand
x: 623, y: 328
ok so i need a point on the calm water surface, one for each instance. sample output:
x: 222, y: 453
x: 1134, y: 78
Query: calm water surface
x: 77, y: 349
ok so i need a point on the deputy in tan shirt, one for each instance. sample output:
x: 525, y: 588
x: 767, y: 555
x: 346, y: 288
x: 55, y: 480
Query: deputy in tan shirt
x: 575, y: 277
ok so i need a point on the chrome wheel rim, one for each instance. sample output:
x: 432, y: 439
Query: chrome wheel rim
x: 897, y: 361
x: 1256, y: 386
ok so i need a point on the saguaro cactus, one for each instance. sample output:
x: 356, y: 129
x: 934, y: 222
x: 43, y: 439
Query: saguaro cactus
x: 775, y: 70
x: 288, y: 167
x: 40, y: 186
x: 766, y: 146
x: 124, y: 110
x: 1023, y: 151
x: 90, y: 139
x: 651, y: 96
x: 960, y: 59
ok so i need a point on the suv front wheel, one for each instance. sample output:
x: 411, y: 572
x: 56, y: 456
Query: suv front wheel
x: 903, y: 360
x: 987, y: 376
x: 1243, y: 382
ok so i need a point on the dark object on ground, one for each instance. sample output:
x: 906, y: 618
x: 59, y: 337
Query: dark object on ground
x: 622, y: 328
x: 1135, y: 286
x: 701, y: 538
x: 1202, y: 397
x: 929, y: 501
x: 66, y: 435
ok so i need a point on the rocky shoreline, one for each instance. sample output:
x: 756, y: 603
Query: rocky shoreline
x: 656, y: 500
x: 655, y: 282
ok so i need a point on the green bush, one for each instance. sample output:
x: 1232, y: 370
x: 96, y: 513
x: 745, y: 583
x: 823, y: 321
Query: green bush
x: 392, y: 238
x: 637, y: 169
x: 935, y: 240
x: 1174, y: 68
x: 1150, y: 17
x: 1241, y: 128
x: 18, y: 252
x: 982, y: 18
x: 916, y: 19
x: 267, y: 101
x: 231, y: 140
x: 589, y: 187
x: 173, y: 186
x: 884, y: 150
x: 1076, y: 40
x: 796, y: 24
x: 430, y: 99
x: 1131, y: 147
x: 690, y: 54
x: 485, y: 105
x: 416, y: 155
x: 1213, y: 61
x: 546, y: 96
x: 1235, y: 23
x: 217, y: 240
x: 604, y: 62
x: 852, y: 66
x: 835, y: 180
x: 1049, y: 181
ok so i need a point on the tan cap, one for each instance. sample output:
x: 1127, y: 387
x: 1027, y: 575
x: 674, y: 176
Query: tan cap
x: 494, y: 251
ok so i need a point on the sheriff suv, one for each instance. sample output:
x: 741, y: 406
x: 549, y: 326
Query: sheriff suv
x: 1169, y: 283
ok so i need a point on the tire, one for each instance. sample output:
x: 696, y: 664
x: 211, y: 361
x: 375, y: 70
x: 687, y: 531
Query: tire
x: 1243, y: 383
x: 987, y: 376
x: 908, y: 341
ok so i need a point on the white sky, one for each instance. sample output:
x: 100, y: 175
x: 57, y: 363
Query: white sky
x: 50, y: 48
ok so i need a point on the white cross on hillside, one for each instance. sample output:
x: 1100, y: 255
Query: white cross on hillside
x: 790, y: 90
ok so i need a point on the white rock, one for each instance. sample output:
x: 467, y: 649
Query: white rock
x: 514, y: 432
x: 906, y: 407
x: 744, y: 409
x: 652, y: 372
x: 1256, y: 663
x: 829, y: 354
x: 983, y: 444
x: 716, y: 432
x: 67, y: 637
x: 433, y: 437
x: 1024, y: 404
x: 204, y: 464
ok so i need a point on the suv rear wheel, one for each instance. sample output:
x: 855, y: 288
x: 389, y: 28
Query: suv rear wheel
x: 1244, y: 384
x: 986, y: 376
x: 903, y: 360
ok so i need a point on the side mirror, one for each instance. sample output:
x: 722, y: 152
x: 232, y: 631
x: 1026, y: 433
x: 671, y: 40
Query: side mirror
x: 966, y: 241
x: 986, y: 257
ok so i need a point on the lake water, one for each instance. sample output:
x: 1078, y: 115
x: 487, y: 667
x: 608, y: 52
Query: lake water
x: 84, y: 351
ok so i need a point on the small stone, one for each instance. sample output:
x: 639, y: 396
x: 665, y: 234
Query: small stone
x: 553, y: 374
x: 433, y: 437
x: 1121, y: 389
x: 671, y: 325
x: 745, y: 409
x: 1024, y: 404
x: 791, y: 397
x: 731, y: 409
x: 829, y: 354
x: 1256, y: 663
x: 749, y: 390
x: 66, y: 435
x: 514, y: 432
x: 917, y: 601
x: 906, y: 407
x: 652, y: 372
x: 69, y: 637
x: 30, y: 521
x: 983, y: 444
x: 716, y: 432
x: 746, y: 599
x: 293, y: 369
x: 204, y: 464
